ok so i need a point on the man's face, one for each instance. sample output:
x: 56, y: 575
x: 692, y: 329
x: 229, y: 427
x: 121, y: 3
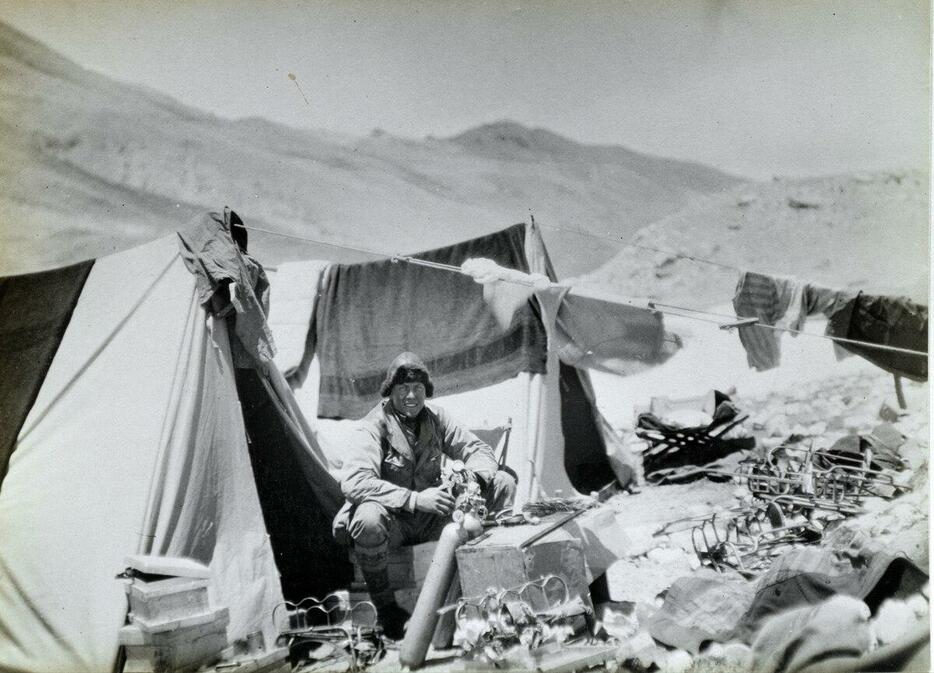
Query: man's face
x: 408, y: 398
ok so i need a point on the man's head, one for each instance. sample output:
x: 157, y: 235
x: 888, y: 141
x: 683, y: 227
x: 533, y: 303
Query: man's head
x: 407, y: 384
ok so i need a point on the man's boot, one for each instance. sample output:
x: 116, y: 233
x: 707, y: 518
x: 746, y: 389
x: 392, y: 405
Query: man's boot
x: 392, y: 617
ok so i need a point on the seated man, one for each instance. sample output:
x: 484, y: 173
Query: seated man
x: 392, y: 477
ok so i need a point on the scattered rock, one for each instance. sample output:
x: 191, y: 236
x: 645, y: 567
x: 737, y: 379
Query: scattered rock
x: 663, y: 556
x: 801, y: 204
x: 777, y: 426
x: 888, y: 413
x: 676, y: 661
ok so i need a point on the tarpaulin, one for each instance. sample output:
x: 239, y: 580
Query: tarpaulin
x: 36, y: 308
x: 809, y: 575
x: 791, y: 641
x: 713, y: 607
x: 369, y: 313
x: 887, y: 321
x: 704, y: 607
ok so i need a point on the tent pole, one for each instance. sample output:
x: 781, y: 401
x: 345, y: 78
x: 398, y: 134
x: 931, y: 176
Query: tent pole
x: 527, y: 465
x: 534, y: 421
x: 900, y: 393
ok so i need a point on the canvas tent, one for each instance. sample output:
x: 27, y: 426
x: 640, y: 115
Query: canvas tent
x: 128, y: 429
x: 559, y: 441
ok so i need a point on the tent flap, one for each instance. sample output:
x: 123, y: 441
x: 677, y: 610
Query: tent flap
x: 36, y: 309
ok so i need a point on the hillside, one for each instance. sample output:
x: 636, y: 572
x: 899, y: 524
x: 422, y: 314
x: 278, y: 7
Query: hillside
x: 95, y: 165
x: 865, y: 231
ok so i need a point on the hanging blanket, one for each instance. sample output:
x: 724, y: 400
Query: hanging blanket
x: 888, y: 321
x: 369, y: 313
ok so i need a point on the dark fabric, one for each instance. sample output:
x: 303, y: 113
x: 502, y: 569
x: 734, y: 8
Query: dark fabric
x: 298, y: 498
x: 586, y: 435
x: 809, y: 575
x: 710, y: 607
x: 368, y: 313
x: 701, y: 608
x: 609, y: 336
x: 35, y: 310
x: 796, y: 639
x: 230, y: 281
x: 888, y: 321
x: 674, y: 447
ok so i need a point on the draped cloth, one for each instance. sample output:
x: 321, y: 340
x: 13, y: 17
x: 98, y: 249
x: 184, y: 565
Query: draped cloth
x: 369, y: 313
x: 887, y: 321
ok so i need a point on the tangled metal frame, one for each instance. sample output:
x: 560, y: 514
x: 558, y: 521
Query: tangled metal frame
x: 747, y: 542
x: 527, y: 615
x: 350, y: 630
x: 814, y: 479
x: 788, y: 482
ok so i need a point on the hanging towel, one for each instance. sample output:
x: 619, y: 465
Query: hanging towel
x: 889, y: 321
x: 767, y: 298
x: 369, y: 313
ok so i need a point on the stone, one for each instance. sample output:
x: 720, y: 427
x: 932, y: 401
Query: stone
x: 777, y: 426
x: 817, y: 429
x: 919, y: 605
x: 676, y: 661
x: 666, y: 556
x: 888, y: 413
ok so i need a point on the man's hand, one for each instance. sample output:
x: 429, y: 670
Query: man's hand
x: 434, y: 501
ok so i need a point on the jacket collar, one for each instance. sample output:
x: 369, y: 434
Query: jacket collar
x: 397, y: 439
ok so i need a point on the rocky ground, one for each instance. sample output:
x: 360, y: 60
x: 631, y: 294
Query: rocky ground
x: 657, y: 519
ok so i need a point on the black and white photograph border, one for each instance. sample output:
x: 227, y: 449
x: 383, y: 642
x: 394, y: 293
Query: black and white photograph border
x: 499, y: 335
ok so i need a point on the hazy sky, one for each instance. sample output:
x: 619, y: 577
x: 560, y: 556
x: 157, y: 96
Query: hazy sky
x: 754, y: 87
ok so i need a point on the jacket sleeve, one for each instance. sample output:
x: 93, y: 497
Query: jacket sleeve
x: 461, y: 444
x: 361, y: 481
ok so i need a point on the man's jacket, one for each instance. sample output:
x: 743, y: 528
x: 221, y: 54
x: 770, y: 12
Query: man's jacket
x: 383, y: 468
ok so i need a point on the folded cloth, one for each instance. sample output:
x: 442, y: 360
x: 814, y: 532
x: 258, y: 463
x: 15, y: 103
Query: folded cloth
x: 210, y: 253
x: 887, y: 321
x: 792, y: 640
x: 368, y: 313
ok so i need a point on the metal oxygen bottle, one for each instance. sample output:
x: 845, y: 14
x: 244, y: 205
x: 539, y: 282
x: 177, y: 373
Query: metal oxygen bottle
x: 467, y: 524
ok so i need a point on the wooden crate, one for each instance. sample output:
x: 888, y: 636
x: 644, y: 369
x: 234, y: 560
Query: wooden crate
x: 167, y: 600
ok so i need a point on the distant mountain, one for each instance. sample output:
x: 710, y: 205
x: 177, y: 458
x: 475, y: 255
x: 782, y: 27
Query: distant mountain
x: 95, y: 165
x: 867, y: 231
x: 92, y: 165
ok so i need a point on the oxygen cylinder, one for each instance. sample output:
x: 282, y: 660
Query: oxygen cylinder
x: 425, y: 615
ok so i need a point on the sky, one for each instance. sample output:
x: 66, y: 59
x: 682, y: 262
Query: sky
x: 757, y: 88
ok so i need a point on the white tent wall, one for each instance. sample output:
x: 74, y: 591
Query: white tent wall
x: 136, y: 361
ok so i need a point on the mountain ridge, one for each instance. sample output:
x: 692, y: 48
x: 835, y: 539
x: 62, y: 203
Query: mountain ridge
x: 96, y: 165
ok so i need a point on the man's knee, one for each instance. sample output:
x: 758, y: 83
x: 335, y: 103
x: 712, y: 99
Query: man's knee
x: 502, y: 491
x: 369, y: 526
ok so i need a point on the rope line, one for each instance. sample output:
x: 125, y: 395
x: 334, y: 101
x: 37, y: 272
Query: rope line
x: 667, y: 309
x: 619, y: 239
